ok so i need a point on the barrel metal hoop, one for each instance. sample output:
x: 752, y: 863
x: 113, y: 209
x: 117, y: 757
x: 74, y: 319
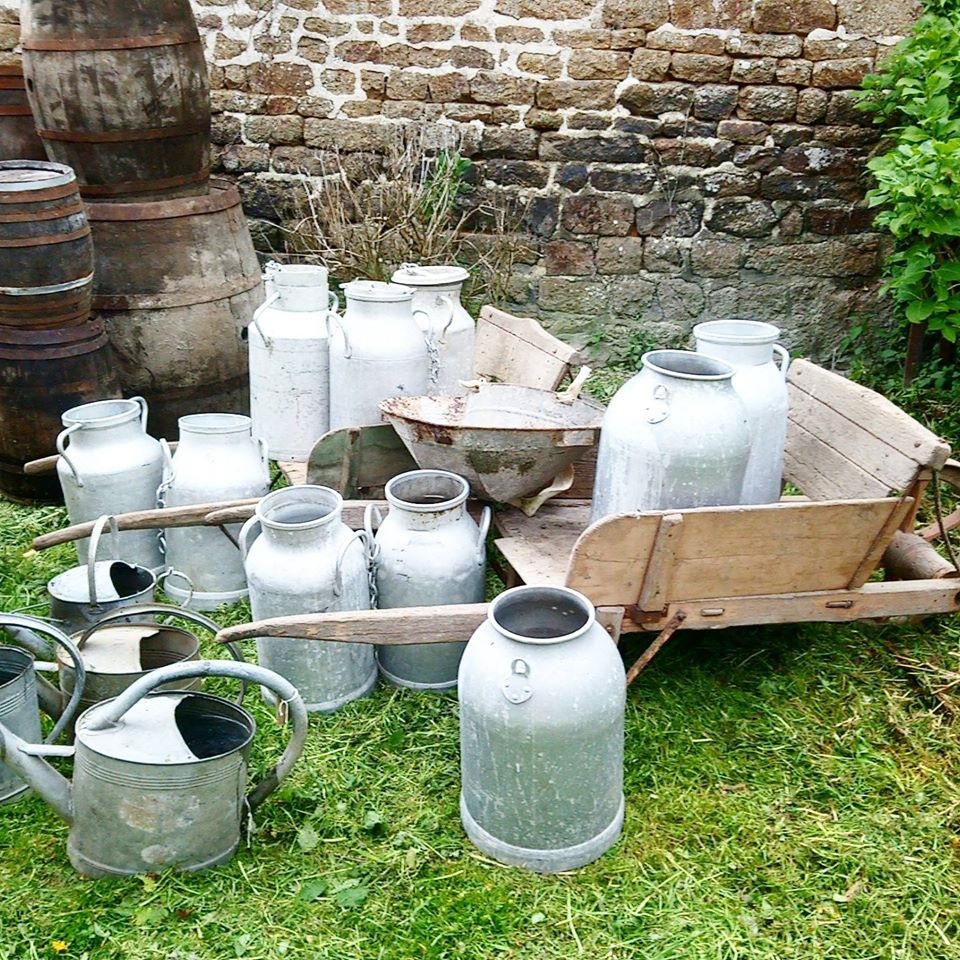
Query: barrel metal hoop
x: 15, y: 111
x: 218, y: 199
x: 188, y: 298
x: 10, y: 336
x: 54, y: 352
x: 49, y: 288
x: 50, y: 240
x: 142, y: 186
x: 55, y: 213
x: 124, y: 136
x: 12, y: 81
x: 110, y: 43
x: 39, y: 196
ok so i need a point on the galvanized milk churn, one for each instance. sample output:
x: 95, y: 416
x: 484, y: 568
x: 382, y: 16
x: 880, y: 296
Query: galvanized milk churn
x: 158, y: 781
x: 290, y: 360
x: 427, y: 551
x: 542, y: 693
x: 109, y: 464
x: 23, y: 692
x: 451, y: 331
x: 300, y: 557
x: 675, y: 435
x: 217, y: 459
x: 376, y: 351
x: 749, y: 347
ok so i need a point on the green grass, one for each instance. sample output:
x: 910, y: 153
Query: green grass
x: 792, y: 792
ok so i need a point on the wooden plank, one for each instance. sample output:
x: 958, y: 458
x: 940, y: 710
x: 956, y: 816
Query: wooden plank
x: 533, y: 564
x: 405, y: 625
x: 655, y: 592
x: 881, y: 541
x: 294, y: 471
x: 514, y: 349
x: 358, y: 461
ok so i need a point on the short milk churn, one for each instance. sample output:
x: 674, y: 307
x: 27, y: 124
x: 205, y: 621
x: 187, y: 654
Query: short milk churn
x: 542, y: 692
x: 428, y: 551
x: 301, y: 557
x: 290, y: 360
x: 450, y: 330
x: 674, y: 436
x: 109, y: 464
x: 377, y: 351
x: 749, y: 346
x: 216, y: 459
x: 23, y: 693
x: 159, y: 780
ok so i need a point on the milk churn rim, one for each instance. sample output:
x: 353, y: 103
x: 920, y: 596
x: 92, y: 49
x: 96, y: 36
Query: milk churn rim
x: 6, y: 649
x: 295, y: 496
x: 415, y: 275
x: 130, y: 411
x: 293, y: 274
x: 726, y: 372
x: 401, y: 504
x: 62, y: 175
x: 215, y: 423
x: 376, y: 291
x: 542, y: 641
x: 84, y: 736
x: 754, y: 331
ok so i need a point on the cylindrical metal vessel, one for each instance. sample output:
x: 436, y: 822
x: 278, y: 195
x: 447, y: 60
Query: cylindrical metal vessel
x: 749, y: 347
x: 674, y: 436
x: 290, y: 360
x: 301, y: 558
x: 177, y: 281
x: 18, y: 134
x: 542, y: 693
x: 451, y: 331
x: 46, y: 253
x: 376, y: 351
x: 120, y: 92
x: 109, y: 464
x: 43, y: 372
x: 429, y: 551
x: 216, y: 459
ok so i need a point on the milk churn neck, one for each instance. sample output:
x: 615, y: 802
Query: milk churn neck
x: 215, y: 424
x: 541, y: 615
x: 427, y: 491
x: 736, y: 331
x: 300, y: 508
x: 685, y: 365
x: 377, y: 291
x: 102, y: 414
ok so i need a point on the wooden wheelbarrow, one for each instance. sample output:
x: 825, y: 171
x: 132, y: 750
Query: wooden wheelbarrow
x: 862, y: 467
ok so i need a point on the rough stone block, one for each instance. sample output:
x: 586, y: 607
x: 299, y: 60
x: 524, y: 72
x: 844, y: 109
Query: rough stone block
x: 599, y: 65
x: 843, y: 110
x: 791, y: 134
x: 650, y: 64
x: 568, y: 258
x: 812, y: 105
x: 833, y: 161
x: 669, y: 38
x: 768, y: 103
x: 277, y: 130
x: 376, y: 8
x: 360, y: 51
x: 715, y: 102
x: 542, y: 216
x: 620, y: 255
x: 474, y: 33
x: 240, y: 158
x: 325, y: 27
x: 653, y: 99
x: 517, y: 173
x: 424, y: 8
x: 700, y: 14
x: 627, y: 39
x: 223, y: 47
x: 545, y: 65
x: 841, y: 73
x: 838, y: 48
x: 788, y: 186
x: 514, y: 34
x: 831, y: 219
x: 297, y: 160
x: 660, y: 218
x: 762, y: 70
x: 583, y: 38
x: 645, y: 14
x: 879, y: 18
x: 572, y: 176
x: 700, y: 67
x: 636, y: 180
x: 407, y: 85
x: 430, y: 32
x: 598, y: 215
x: 731, y: 183
x: 584, y: 120
x: 505, y: 143
x: 797, y: 16
x: 279, y: 78
x: 446, y: 87
x: 836, y: 258
x: 716, y: 257
x: 225, y: 129
x: 794, y: 72
x: 494, y: 87
x: 347, y: 136
x: 576, y: 296
x: 756, y: 157
x: 663, y: 254
x: 742, y: 131
x: 543, y: 120
x: 591, y: 149
x: 742, y: 217
x: 764, y: 45
x: 680, y: 301
x: 631, y: 296
x: 586, y: 94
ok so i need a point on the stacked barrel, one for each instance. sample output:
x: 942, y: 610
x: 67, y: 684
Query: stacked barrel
x: 18, y: 136
x: 119, y: 92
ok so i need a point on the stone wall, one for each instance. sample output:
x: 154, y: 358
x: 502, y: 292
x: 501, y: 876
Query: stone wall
x: 679, y: 160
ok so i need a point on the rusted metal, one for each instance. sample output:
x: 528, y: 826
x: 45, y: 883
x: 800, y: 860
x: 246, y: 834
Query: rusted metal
x: 670, y: 628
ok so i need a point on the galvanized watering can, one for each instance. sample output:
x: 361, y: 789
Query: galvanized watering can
x: 23, y: 693
x: 158, y: 780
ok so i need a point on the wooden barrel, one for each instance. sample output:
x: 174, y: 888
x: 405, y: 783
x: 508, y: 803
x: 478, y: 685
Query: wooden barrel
x: 46, y: 252
x: 177, y: 283
x: 18, y: 135
x: 120, y: 92
x: 43, y: 373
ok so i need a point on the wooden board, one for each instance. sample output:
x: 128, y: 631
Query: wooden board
x: 358, y: 461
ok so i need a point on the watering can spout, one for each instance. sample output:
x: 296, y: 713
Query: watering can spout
x: 26, y: 760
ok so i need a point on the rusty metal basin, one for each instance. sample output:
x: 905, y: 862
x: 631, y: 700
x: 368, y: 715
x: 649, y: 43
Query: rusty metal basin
x: 508, y: 441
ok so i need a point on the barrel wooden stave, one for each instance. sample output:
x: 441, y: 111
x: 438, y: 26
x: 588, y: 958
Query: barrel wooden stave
x: 18, y: 135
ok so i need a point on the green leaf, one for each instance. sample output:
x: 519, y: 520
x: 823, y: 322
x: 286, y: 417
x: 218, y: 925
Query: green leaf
x: 351, y: 894
x: 373, y: 821
x: 919, y: 311
x: 307, y: 838
x: 313, y: 890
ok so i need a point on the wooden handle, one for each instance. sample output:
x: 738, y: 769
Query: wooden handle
x: 909, y: 557
x: 49, y: 464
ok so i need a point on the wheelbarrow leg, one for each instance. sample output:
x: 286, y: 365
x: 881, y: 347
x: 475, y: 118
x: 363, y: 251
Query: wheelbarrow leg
x: 671, y: 627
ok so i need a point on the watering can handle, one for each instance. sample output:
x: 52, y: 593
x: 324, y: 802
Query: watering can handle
x: 285, y: 692
x: 59, y: 637
x: 94, y: 545
x: 784, y: 356
x: 62, y: 438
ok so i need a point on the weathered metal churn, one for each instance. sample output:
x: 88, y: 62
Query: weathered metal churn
x: 300, y: 557
x: 542, y: 693
x: 428, y: 551
x: 158, y: 780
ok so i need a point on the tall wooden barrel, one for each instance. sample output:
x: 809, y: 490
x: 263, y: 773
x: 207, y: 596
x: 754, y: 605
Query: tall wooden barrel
x: 43, y: 373
x: 177, y: 282
x: 119, y: 91
x: 46, y: 253
x: 18, y: 135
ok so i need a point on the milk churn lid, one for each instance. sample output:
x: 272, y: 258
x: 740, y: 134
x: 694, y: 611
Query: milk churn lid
x: 377, y: 291
x: 169, y: 728
x: 417, y: 276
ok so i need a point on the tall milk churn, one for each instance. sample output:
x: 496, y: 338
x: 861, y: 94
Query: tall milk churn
x: 428, y: 551
x: 290, y: 360
x: 376, y: 351
x: 674, y: 436
x: 159, y: 780
x: 300, y: 557
x: 216, y: 459
x: 749, y: 347
x: 109, y: 464
x: 451, y: 331
x: 542, y: 693
x: 23, y: 693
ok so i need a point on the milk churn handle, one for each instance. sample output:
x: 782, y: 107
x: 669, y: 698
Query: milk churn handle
x: 333, y: 320
x: 248, y: 533
x: 285, y: 692
x: 255, y: 320
x: 62, y: 437
x: 168, y: 476
x: 482, y: 536
x: 264, y: 452
x: 334, y: 301
x: 438, y: 334
x: 144, y: 411
x: 94, y: 544
x: 80, y: 671
x: 784, y: 356
x: 338, y: 576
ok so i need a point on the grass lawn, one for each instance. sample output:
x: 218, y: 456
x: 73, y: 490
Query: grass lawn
x: 792, y: 792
